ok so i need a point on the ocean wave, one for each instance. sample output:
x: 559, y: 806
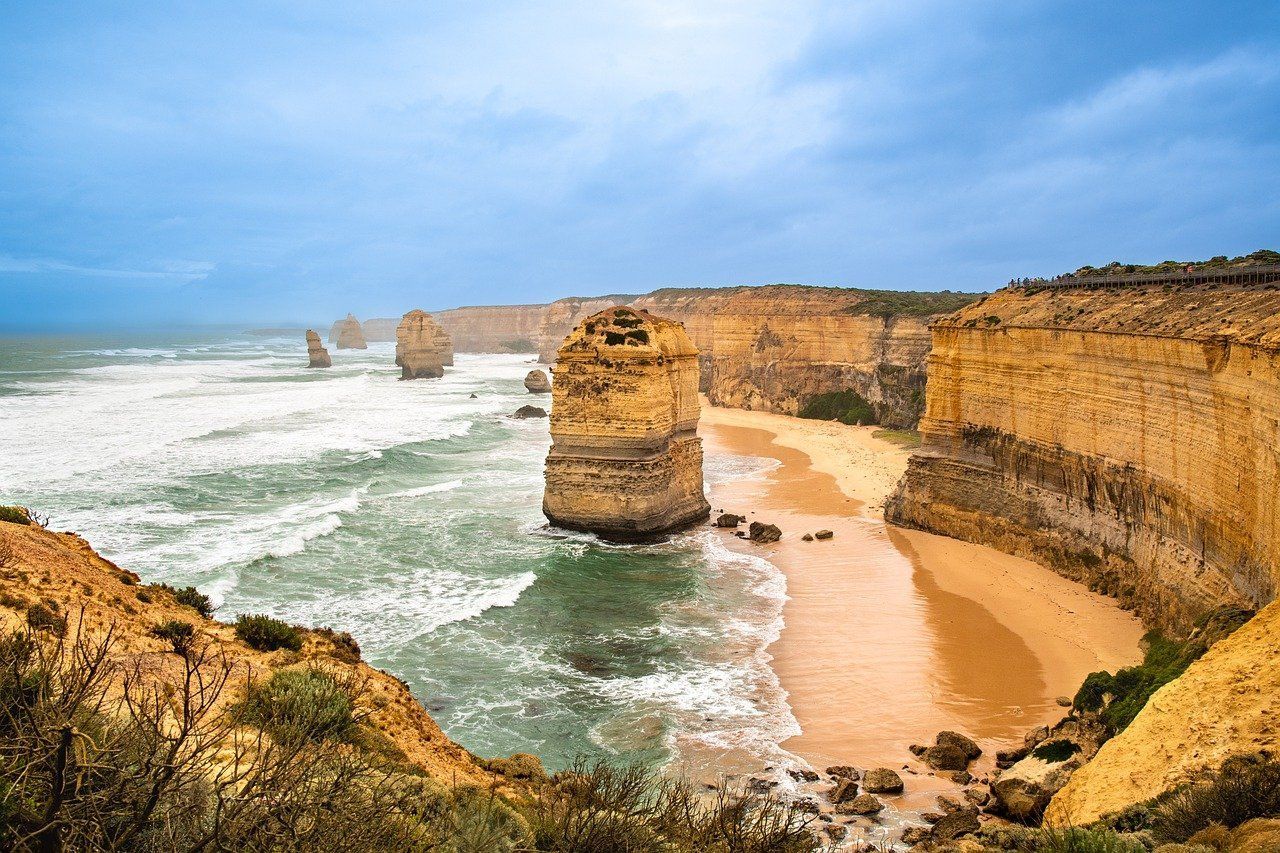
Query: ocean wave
x: 426, y: 490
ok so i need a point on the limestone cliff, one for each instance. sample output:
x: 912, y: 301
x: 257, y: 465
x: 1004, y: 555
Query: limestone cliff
x: 773, y: 348
x: 562, y: 316
x: 1124, y: 437
x: 625, y: 460
x: 493, y: 328
x: 317, y: 355
x: 351, y: 336
x: 1227, y: 703
x: 420, y: 346
x: 62, y: 574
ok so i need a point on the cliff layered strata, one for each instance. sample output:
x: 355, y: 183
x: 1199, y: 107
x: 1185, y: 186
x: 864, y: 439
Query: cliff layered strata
x: 1225, y: 704
x: 350, y: 335
x: 1126, y: 438
x: 561, y: 317
x: 317, y: 355
x: 420, y: 347
x: 625, y: 459
x: 494, y: 328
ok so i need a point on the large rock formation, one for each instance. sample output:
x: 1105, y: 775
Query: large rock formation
x: 561, y: 317
x: 375, y: 329
x: 419, y: 342
x: 350, y: 336
x: 1124, y: 437
x: 317, y: 355
x: 1227, y: 703
x: 493, y: 328
x: 536, y: 382
x: 625, y: 460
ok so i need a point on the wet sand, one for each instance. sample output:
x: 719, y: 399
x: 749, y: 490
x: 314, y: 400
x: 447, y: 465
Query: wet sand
x: 892, y: 635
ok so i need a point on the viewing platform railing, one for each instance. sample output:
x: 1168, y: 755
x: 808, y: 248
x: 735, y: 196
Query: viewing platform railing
x: 1261, y: 274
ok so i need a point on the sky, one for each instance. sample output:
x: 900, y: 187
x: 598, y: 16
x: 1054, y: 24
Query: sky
x: 281, y: 162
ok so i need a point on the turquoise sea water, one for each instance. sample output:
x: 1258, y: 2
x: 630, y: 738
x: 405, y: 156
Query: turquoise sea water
x: 408, y: 514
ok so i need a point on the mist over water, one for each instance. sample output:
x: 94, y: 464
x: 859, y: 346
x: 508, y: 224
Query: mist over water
x: 410, y: 515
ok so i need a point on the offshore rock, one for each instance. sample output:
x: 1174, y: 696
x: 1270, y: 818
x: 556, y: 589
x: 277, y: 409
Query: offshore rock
x: 317, y: 355
x: 536, y: 382
x: 625, y: 460
x: 350, y: 335
x: 529, y: 412
x: 418, y: 346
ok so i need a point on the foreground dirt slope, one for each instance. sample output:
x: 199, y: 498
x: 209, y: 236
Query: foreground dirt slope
x: 62, y: 569
x: 1225, y: 704
x: 1124, y: 437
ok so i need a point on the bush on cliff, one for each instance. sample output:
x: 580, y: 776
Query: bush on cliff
x: 1118, y: 698
x: 305, y: 704
x: 266, y: 634
x: 14, y: 515
x: 848, y: 407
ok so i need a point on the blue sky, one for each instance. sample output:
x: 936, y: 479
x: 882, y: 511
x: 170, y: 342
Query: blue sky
x: 281, y: 162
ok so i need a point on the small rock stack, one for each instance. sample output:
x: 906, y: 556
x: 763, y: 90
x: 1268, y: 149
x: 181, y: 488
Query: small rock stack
x: 351, y: 336
x: 418, y: 346
x: 317, y: 355
x: 536, y: 382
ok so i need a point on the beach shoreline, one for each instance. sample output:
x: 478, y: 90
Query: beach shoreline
x: 891, y: 635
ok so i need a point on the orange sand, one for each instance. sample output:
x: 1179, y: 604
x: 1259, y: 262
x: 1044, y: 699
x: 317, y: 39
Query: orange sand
x: 892, y: 634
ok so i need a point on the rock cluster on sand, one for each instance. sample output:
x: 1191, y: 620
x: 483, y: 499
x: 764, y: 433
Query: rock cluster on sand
x: 418, y: 346
x: 729, y: 519
x: 764, y: 533
x: 317, y: 355
x: 351, y: 336
x: 625, y: 460
x: 536, y: 382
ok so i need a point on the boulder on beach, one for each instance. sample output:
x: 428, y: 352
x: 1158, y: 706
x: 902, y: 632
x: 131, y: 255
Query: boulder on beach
x: 844, y: 771
x: 537, y: 382
x: 728, y: 519
x: 823, y: 534
x: 317, y: 355
x: 808, y: 537
x: 529, y: 412
x: 863, y: 804
x: 764, y: 533
x: 882, y: 780
x: 944, y: 757
x: 955, y: 824
x: 843, y: 791
x: 350, y: 335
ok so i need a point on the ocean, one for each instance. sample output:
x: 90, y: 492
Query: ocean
x: 408, y: 513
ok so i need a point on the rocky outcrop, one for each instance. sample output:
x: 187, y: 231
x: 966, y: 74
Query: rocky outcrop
x: 1123, y: 437
x: 625, y: 459
x: 418, y: 346
x: 494, y: 328
x: 775, y: 348
x: 1226, y: 704
x: 561, y: 317
x: 376, y: 329
x: 526, y: 412
x: 350, y: 335
x: 537, y: 382
x: 317, y: 355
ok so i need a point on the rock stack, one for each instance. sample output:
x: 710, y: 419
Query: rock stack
x: 317, y: 355
x: 351, y: 336
x: 418, y: 342
x: 625, y: 460
x: 537, y: 382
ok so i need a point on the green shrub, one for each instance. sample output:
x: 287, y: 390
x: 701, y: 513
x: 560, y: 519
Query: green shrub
x: 180, y: 635
x: 345, y: 647
x: 14, y: 515
x: 301, y: 704
x: 1242, y: 789
x: 1081, y: 840
x: 267, y: 634
x: 848, y: 407
x: 1055, y: 751
x: 195, y: 599
x: 43, y: 617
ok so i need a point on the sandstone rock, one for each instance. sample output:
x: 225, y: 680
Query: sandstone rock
x: 977, y: 796
x: 843, y: 791
x: 529, y: 412
x: 1009, y: 757
x: 836, y: 831
x: 536, y: 382
x: 863, y: 804
x: 844, y: 771
x: 961, y: 742
x: 882, y: 780
x: 728, y: 519
x: 913, y: 835
x: 945, y: 757
x: 948, y: 804
x: 764, y: 533
x: 802, y: 775
x: 823, y: 534
x: 419, y: 346
x: 917, y: 749
x: 625, y: 460
x: 955, y: 824
x: 1032, y: 738
x: 808, y: 537
x: 317, y: 355
x: 350, y: 335
x: 493, y: 328
x: 1063, y: 701
x: 960, y: 777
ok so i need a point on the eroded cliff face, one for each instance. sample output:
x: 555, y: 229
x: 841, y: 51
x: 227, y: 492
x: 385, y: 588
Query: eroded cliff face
x: 350, y: 335
x: 773, y: 348
x: 625, y: 459
x: 560, y: 318
x: 1225, y: 704
x: 420, y: 347
x: 317, y: 355
x: 493, y: 328
x: 1125, y: 438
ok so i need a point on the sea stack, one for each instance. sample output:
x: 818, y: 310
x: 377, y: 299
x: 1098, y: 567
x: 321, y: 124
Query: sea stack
x: 317, y: 355
x: 351, y: 336
x: 537, y: 382
x: 625, y: 460
x: 418, y: 341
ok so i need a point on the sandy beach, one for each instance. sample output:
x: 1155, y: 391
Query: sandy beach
x: 892, y: 635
